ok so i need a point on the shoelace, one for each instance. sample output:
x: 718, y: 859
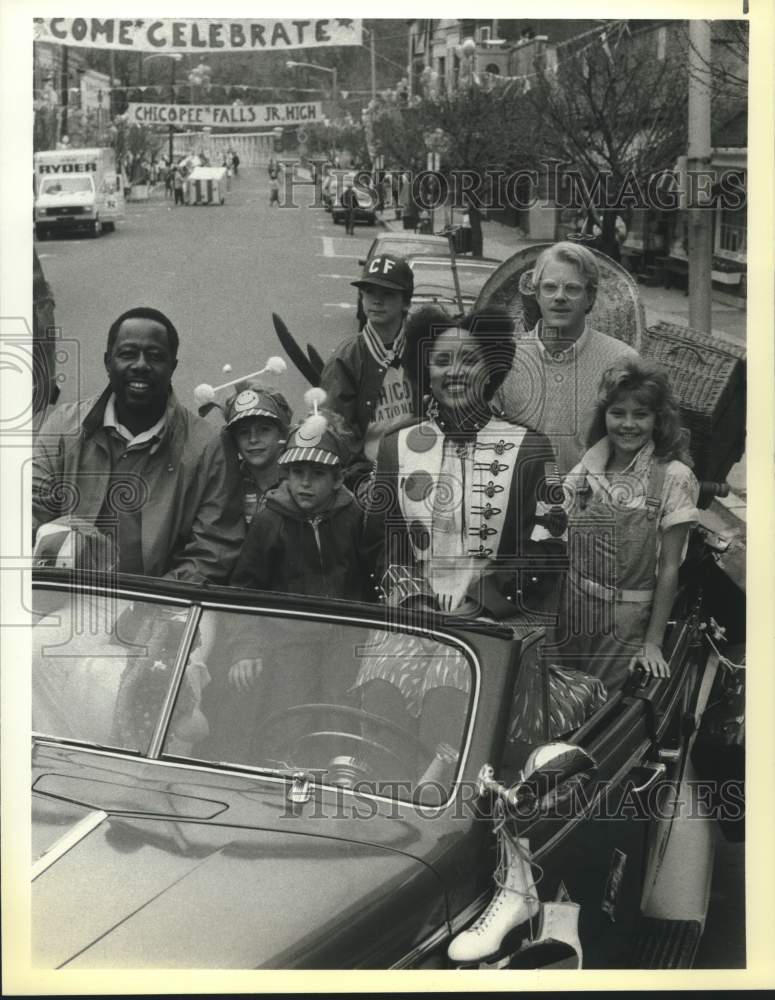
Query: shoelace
x: 501, y: 872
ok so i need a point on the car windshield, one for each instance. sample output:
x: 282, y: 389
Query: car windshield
x: 102, y: 667
x: 66, y: 185
x: 380, y: 710
x: 437, y: 278
x: 400, y: 248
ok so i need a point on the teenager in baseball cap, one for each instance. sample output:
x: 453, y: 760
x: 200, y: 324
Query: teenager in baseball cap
x: 366, y: 379
x: 387, y: 271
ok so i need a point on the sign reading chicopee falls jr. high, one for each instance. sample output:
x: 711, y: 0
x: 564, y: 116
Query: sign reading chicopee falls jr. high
x: 239, y: 116
x: 196, y: 34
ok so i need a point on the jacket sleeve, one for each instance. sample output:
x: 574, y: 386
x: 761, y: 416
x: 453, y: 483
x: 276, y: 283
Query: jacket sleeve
x: 259, y: 553
x: 49, y: 492
x: 340, y: 381
x: 218, y: 528
x: 530, y: 570
x: 546, y: 556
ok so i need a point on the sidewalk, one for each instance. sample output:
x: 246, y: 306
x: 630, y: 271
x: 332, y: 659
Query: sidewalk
x: 668, y: 304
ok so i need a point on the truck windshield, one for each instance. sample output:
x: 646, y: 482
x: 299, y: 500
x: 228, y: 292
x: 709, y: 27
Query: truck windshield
x: 66, y: 185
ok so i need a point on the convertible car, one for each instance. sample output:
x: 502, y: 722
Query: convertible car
x: 323, y: 817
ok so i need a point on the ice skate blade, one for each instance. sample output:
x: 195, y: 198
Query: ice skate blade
x: 546, y: 954
x: 509, y: 944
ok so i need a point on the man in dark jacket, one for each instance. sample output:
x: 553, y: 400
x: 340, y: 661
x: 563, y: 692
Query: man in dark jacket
x: 138, y: 467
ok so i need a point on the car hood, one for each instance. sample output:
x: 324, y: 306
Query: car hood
x: 199, y: 888
x: 66, y: 198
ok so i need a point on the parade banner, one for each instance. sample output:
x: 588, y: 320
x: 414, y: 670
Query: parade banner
x: 235, y: 116
x: 196, y: 34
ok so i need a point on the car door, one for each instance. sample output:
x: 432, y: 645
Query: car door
x: 146, y: 780
x: 589, y: 847
x: 592, y: 846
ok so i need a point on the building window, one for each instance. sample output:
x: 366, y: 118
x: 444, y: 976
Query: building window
x: 661, y: 43
x: 492, y: 68
x: 731, y: 232
x: 441, y: 69
x: 484, y: 33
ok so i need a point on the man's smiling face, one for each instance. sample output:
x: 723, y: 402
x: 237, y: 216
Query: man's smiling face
x: 140, y: 366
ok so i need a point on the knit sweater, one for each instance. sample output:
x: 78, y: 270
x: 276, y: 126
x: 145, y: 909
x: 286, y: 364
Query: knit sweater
x: 555, y: 392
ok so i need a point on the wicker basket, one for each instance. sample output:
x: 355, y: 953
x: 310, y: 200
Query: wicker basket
x: 708, y: 377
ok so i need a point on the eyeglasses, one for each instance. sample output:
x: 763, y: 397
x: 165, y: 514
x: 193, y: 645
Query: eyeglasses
x: 572, y: 289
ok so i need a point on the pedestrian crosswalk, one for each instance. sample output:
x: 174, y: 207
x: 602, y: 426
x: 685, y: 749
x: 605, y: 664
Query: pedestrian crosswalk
x: 330, y: 248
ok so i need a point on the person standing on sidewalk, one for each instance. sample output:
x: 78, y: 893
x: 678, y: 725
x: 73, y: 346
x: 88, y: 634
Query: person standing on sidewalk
x: 349, y: 202
x: 177, y: 184
x: 553, y: 384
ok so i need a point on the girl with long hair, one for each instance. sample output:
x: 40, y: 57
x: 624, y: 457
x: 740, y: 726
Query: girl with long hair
x: 630, y: 502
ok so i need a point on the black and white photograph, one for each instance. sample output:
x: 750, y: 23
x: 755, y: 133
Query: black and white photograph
x: 379, y: 417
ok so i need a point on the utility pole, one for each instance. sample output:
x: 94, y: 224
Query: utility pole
x: 111, y: 104
x: 172, y: 101
x: 373, y: 66
x: 65, y: 91
x: 700, y: 250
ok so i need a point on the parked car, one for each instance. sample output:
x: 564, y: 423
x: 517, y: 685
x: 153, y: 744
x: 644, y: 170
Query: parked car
x: 173, y: 827
x: 365, y: 195
x: 434, y: 282
x: 407, y: 244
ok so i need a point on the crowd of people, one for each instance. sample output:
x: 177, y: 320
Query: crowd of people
x: 172, y: 171
x: 446, y: 463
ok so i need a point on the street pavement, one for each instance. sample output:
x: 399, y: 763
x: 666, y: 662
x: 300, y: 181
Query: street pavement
x: 219, y: 272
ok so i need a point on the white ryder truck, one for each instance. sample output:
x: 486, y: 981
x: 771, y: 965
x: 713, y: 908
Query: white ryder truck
x: 77, y: 189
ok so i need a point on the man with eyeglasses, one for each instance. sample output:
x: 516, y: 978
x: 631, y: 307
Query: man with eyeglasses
x: 557, y: 367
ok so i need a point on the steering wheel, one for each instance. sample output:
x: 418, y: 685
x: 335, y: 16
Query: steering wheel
x: 352, y: 713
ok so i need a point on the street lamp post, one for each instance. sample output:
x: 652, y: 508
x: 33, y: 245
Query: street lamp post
x: 468, y: 48
x: 290, y: 63
x: 175, y: 57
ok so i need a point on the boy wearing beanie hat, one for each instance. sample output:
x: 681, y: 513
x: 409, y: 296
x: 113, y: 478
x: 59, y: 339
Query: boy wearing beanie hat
x: 258, y: 419
x: 306, y: 537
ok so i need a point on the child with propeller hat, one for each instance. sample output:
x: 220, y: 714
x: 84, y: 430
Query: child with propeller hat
x: 306, y: 537
x: 257, y: 420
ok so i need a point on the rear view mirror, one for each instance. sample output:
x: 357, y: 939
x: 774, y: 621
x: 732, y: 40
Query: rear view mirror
x: 552, y: 764
x: 546, y: 771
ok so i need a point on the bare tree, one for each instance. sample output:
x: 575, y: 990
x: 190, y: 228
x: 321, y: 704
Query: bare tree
x: 476, y: 132
x: 613, y: 112
x: 482, y: 131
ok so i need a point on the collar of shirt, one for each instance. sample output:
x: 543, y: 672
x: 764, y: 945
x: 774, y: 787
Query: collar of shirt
x: 595, y: 459
x: 153, y: 434
x: 247, y: 478
x: 569, y: 353
x: 378, y: 349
